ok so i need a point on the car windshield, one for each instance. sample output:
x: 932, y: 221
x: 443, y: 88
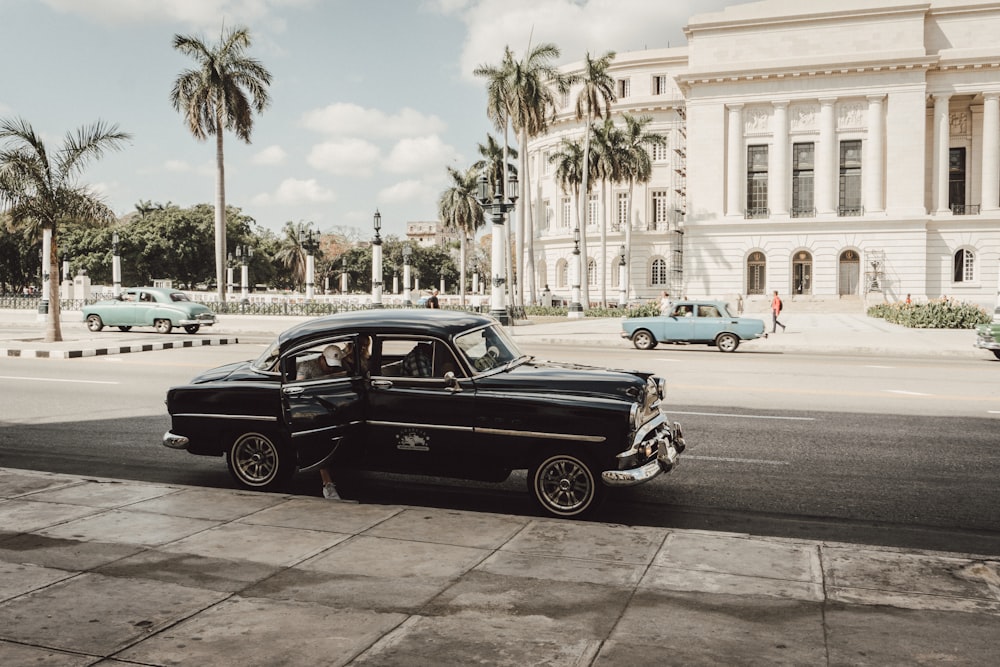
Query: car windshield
x: 487, y: 348
x: 266, y: 361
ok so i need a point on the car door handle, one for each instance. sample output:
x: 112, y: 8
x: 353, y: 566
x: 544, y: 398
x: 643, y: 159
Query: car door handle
x: 382, y: 384
x: 292, y: 391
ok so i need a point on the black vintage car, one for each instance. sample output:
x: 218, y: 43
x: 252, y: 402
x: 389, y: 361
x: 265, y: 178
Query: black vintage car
x: 431, y: 392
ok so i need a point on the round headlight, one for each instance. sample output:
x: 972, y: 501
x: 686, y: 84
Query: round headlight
x: 661, y: 388
x: 633, y: 416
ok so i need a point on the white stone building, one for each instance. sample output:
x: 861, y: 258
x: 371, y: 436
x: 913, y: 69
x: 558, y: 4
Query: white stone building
x: 833, y: 150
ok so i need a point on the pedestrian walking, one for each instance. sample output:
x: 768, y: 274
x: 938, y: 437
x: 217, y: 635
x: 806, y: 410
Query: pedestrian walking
x: 432, y: 301
x: 666, y: 304
x: 776, y: 306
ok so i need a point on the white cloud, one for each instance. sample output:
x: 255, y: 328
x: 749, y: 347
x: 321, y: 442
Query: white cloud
x: 344, y: 119
x: 345, y: 157
x: 183, y: 167
x: 179, y: 166
x: 295, y: 191
x: 195, y: 13
x: 270, y: 155
x: 412, y: 192
x: 419, y: 155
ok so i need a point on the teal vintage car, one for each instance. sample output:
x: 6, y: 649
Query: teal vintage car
x: 157, y: 307
x: 988, y: 335
x: 704, y: 322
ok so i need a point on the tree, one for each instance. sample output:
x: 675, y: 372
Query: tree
x: 459, y: 209
x: 593, y: 101
x: 221, y: 94
x: 41, y: 191
x: 568, y: 160
x: 532, y: 105
x: 290, y: 254
x: 610, y: 160
x: 638, y: 168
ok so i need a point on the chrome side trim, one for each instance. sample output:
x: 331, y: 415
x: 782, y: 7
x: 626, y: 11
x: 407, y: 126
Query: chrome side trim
x: 438, y: 427
x: 537, y: 434
x: 298, y: 434
x: 253, y: 418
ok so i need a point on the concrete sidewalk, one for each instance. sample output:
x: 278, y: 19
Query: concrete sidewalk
x: 96, y: 571
x: 806, y: 333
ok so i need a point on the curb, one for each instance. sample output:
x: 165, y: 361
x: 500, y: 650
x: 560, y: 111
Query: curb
x: 103, y: 351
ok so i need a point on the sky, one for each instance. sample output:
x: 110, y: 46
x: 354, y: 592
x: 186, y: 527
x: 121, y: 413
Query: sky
x: 371, y: 100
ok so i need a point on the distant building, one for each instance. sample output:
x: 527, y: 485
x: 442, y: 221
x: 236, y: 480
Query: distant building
x: 828, y: 149
x: 430, y: 233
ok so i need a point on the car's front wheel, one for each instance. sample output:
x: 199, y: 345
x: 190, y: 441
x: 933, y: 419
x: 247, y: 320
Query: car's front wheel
x: 727, y: 342
x: 564, y: 485
x: 162, y: 326
x: 643, y: 340
x: 192, y: 328
x: 94, y: 323
x: 257, y: 462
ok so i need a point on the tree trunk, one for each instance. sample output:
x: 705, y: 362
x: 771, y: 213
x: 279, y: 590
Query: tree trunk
x: 627, y: 287
x: 220, y: 213
x: 529, y: 228
x: 603, y: 273
x: 461, y: 250
x: 53, y: 327
x: 585, y: 208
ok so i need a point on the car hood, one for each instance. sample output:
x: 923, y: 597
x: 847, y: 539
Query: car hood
x: 562, y: 378
x: 239, y: 370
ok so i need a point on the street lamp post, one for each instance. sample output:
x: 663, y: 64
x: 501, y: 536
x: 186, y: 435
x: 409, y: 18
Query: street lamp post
x: 377, y: 263
x: 310, y: 247
x: 244, y: 253
x: 343, y: 275
x: 575, y: 309
x: 229, y: 275
x: 497, y: 206
x: 407, y: 255
x: 116, y: 267
x: 622, y: 271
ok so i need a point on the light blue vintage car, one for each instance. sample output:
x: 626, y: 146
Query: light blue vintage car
x: 157, y: 307
x: 705, y: 322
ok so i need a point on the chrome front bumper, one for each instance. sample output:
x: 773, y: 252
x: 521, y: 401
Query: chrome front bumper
x: 987, y: 344
x: 669, y: 441
x: 174, y: 441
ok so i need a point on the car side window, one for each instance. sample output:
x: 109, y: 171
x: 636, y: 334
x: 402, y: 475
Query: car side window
x: 415, y: 358
x: 322, y: 361
x: 685, y: 310
x: 708, y: 311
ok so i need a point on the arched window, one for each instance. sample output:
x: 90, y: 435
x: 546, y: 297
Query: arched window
x: 964, y: 266
x: 658, y: 276
x: 541, y: 274
x: 591, y: 272
x: 562, y: 274
x: 756, y: 273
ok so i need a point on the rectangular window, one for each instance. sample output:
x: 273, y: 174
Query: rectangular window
x: 661, y: 209
x: 564, y: 219
x: 956, y: 181
x: 660, y: 84
x: 624, y: 85
x: 564, y: 98
x: 660, y: 152
x: 592, y: 211
x: 547, y: 212
x: 546, y: 165
x: 756, y: 182
x: 621, y: 212
x: 803, y: 163
x: 850, y: 178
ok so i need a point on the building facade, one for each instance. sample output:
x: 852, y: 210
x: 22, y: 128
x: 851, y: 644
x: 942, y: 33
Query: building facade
x: 832, y: 150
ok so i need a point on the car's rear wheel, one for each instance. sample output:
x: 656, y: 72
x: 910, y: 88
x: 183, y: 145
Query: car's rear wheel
x: 162, y: 326
x: 564, y: 485
x: 643, y: 340
x: 996, y: 353
x: 124, y: 328
x: 257, y: 462
x: 94, y: 323
x: 727, y: 342
x: 192, y: 328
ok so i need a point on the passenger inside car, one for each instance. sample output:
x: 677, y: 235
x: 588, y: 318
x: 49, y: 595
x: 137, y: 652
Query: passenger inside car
x: 419, y: 362
x: 322, y: 365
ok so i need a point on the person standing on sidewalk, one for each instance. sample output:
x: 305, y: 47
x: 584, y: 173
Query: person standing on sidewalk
x: 775, y: 311
x: 432, y: 302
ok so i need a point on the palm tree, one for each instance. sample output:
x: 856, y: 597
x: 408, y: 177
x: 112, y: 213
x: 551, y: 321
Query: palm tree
x: 593, y: 101
x: 459, y: 209
x: 499, y: 109
x: 290, y: 254
x: 609, y: 165
x: 221, y: 94
x: 41, y: 191
x: 532, y: 105
x: 568, y: 160
x: 497, y: 167
x: 638, y: 168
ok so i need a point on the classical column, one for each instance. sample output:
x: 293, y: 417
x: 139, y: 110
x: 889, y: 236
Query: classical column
x: 991, y: 152
x: 780, y: 177
x: 826, y: 158
x: 875, y: 156
x: 735, y: 161
x: 939, y: 169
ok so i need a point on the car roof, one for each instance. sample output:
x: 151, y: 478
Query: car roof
x: 430, y: 322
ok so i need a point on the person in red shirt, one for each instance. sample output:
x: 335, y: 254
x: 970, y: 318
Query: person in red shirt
x: 775, y: 311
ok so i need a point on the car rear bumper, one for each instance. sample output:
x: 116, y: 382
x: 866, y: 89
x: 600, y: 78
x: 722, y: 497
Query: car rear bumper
x: 987, y: 344
x: 204, y: 322
x: 174, y: 441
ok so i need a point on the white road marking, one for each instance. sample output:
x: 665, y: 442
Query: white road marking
x: 15, y: 377
x: 728, y: 459
x: 905, y: 393
x: 871, y: 366
x: 722, y: 414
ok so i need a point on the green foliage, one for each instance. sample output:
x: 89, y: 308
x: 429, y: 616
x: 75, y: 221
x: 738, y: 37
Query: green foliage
x: 546, y: 311
x: 936, y: 314
x: 644, y: 310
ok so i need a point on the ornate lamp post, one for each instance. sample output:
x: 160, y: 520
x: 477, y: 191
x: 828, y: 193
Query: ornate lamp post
x: 407, y: 255
x: 343, y: 275
x: 310, y: 247
x: 116, y: 267
x: 377, y: 263
x: 497, y: 206
x: 229, y: 275
x: 622, y: 286
x: 575, y: 309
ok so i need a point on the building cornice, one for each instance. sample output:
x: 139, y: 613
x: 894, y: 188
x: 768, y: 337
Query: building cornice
x: 867, y: 66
